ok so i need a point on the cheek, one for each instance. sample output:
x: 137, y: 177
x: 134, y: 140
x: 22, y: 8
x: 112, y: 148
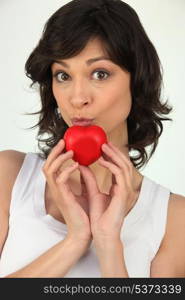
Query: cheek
x: 116, y: 108
x: 126, y: 104
x: 119, y: 100
x: 124, y: 97
x: 58, y: 97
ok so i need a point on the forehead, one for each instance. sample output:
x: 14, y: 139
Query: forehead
x: 94, y: 46
x: 93, y: 51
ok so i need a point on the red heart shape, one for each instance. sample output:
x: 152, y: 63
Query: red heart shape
x: 86, y: 143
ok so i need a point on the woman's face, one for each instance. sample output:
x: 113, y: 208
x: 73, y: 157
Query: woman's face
x: 98, y: 90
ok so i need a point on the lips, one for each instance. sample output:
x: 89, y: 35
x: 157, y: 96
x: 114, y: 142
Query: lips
x: 82, y: 122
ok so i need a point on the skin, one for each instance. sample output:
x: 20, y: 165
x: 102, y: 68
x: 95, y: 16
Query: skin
x: 82, y: 93
x: 110, y: 187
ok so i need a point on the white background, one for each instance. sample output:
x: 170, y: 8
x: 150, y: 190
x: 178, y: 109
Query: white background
x: 21, y: 25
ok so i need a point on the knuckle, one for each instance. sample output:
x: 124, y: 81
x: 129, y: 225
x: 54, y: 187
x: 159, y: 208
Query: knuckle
x: 118, y: 172
x: 49, y: 172
x: 60, y: 181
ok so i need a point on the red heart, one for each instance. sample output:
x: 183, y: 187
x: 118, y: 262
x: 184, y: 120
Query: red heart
x: 86, y: 143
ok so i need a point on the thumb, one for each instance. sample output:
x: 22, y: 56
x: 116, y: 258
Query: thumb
x: 89, y: 179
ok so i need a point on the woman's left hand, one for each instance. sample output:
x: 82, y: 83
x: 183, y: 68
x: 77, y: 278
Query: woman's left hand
x: 107, y: 211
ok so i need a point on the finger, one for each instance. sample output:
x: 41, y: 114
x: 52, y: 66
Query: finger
x: 52, y: 172
x: 113, y: 155
x: 56, y: 164
x: 116, y: 171
x: 122, y: 155
x: 118, y: 161
x: 68, y: 199
x: 126, y: 161
x: 92, y: 191
x: 118, y: 190
x: 89, y: 180
x: 54, y: 153
x: 64, y: 176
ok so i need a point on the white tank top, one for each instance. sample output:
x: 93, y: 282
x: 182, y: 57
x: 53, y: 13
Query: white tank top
x: 32, y: 231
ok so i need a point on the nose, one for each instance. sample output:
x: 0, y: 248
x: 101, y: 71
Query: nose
x: 80, y: 95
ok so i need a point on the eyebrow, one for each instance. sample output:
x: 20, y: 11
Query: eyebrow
x: 88, y: 62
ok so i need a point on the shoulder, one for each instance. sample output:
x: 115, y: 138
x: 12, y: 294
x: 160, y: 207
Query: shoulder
x: 170, y: 258
x: 10, y: 164
x: 5, y: 154
x: 11, y: 160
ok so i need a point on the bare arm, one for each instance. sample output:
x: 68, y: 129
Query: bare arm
x: 170, y: 258
x: 10, y: 164
x: 111, y: 258
x: 55, y: 262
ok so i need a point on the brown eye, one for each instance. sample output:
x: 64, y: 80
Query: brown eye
x: 101, y: 75
x: 61, y: 76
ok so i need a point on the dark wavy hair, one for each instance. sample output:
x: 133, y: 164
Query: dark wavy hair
x: 66, y: 33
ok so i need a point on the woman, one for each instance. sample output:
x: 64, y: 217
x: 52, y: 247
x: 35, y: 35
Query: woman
x: 94, y: 61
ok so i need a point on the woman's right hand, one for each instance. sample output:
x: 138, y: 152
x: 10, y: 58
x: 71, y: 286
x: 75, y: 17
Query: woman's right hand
x: 57, y: 177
